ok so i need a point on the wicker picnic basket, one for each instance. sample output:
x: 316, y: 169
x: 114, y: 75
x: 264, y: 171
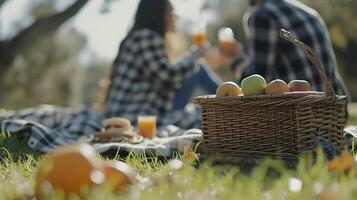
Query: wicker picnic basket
x: 280, y: 126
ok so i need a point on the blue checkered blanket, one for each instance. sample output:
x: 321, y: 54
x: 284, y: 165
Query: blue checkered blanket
x: 49, y: 127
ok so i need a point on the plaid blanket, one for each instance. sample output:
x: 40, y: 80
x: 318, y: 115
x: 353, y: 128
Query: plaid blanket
x: 49, y: 127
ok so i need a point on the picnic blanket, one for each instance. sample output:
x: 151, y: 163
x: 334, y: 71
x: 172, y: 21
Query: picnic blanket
x: 49, y: 127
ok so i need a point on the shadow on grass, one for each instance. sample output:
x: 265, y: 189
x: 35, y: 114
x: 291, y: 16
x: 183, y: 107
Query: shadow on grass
x: 15, y: 148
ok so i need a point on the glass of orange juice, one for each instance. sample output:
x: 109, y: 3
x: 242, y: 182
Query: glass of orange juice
x: 226, y: 40
x: 147, y: 126
x: 199, y: 37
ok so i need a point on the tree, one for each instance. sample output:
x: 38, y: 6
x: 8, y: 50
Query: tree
x: 9, y: 49
x: 45, y: 70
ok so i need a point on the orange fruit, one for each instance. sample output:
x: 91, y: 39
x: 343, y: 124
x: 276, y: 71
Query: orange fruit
x: 326, y: 195
x: 189, y: 155
x: 118, y: 175
x: 69, y: 169
x: 342, y: 163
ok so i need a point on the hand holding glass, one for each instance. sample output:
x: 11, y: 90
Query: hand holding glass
x: 199, y: 35
x: 227, y: 43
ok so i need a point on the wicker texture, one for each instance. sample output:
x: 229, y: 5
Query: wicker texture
x: 272, y: 125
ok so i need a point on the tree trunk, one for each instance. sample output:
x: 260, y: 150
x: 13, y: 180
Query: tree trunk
x: 25, y: 38
x: 2, y: 2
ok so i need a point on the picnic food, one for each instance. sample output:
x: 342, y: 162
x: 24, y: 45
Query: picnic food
x: 342, y: 163
x: 118, y: 175
x: 299, y: 86
x: 116, y: 122
x: 147, y: 126
x: 115, y: 127
x: 287, y: 121
x: 228, y: 89
x: 70, y: 169
x: 117, y: 130
x: 277, y: 86
x: 253, y: 85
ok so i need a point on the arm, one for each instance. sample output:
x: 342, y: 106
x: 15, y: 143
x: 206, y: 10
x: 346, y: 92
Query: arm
x: 154, y: 57
x: 262, y: 34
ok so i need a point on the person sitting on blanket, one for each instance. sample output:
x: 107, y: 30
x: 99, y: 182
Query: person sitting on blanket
x: 143, y: 82
x: 272, y: 57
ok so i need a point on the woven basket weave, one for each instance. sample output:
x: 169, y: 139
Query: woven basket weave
x: 273, y: 125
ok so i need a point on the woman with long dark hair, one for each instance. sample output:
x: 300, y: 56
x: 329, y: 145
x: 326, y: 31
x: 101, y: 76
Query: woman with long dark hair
x: 143, y: 82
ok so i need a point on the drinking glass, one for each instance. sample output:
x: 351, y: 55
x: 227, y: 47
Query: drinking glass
x: 227, y: 42
x: 147, y: 126
x: 199, y: 37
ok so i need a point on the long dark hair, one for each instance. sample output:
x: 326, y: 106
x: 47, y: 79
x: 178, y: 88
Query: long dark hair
x: 150, y: 14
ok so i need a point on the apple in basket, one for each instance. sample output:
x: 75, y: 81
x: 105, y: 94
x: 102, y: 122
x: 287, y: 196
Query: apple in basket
x: 277, y: 86
x: 254, y: 85
x: 299, y: 86
x: 228, y: 89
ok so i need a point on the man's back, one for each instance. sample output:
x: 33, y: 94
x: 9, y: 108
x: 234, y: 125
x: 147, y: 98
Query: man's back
x: 274, y: 58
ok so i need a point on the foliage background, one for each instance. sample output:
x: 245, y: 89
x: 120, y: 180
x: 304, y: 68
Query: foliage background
x: 339, y: 16
x: 50, y: 71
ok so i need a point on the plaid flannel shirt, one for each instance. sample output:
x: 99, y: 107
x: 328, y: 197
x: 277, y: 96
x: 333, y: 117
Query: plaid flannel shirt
x: 273, y: 57
x: 144, y: 82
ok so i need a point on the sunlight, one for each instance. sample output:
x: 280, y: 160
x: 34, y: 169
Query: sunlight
x: 104, y: 31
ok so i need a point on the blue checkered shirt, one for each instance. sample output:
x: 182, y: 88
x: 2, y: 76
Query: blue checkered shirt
x: 273, y: 57
x: 144, y: 82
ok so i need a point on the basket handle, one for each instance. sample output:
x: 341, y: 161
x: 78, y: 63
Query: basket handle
x: 312, y: 56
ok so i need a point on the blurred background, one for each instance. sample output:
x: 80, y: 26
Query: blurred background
x: 60, y: 51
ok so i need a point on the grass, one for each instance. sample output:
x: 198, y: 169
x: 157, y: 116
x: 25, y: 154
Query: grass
x: 269, y: 180
x: 352, y: 109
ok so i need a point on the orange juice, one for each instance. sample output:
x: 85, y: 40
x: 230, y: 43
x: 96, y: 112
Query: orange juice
x: 228, y: 47
x: 199, y: 39
x: 147, y: 126
x: 227, y: 42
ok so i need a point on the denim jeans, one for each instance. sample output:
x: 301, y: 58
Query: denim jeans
x: 204, y: 79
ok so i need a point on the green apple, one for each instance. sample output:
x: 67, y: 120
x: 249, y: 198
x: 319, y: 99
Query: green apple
x: 254, y: 85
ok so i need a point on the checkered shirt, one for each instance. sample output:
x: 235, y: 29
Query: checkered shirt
x: 273, y: 57
x: 144, y: 83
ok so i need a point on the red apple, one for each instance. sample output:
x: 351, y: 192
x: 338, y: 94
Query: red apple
x: 277, y: 86
x: 299, y: 86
